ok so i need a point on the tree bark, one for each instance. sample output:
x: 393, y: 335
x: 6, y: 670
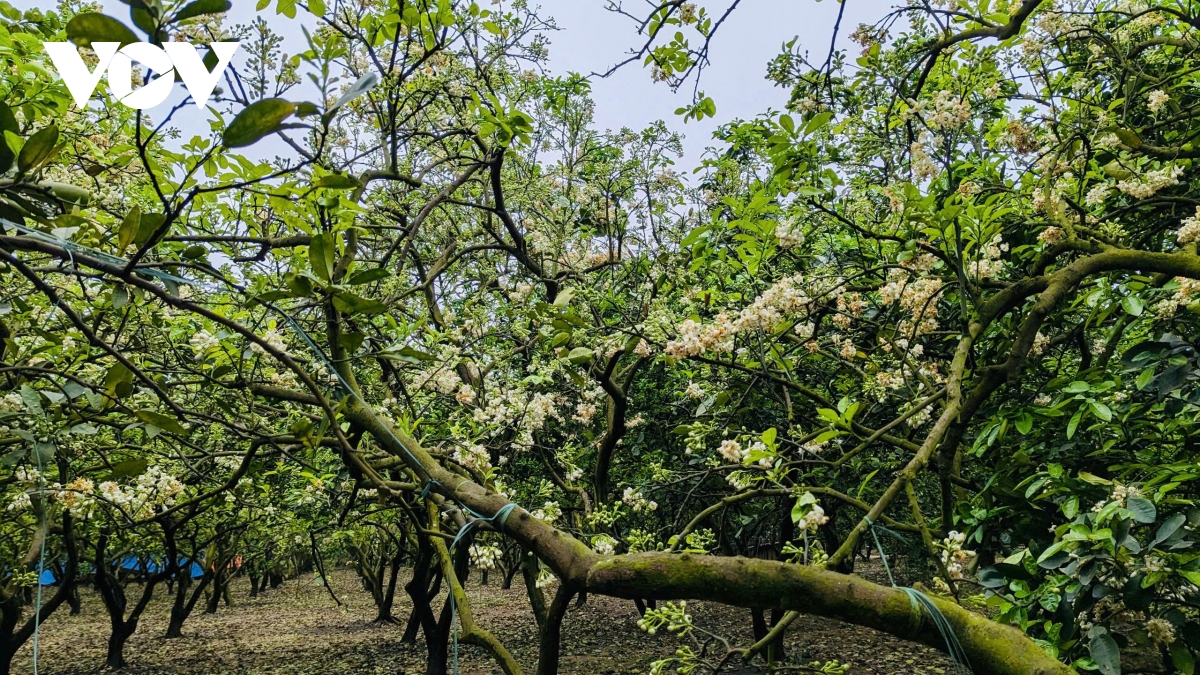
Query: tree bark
x: 550, y: 633
x: 992, y: 648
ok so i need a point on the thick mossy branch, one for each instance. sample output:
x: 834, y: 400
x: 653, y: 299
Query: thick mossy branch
x: 993, y: 649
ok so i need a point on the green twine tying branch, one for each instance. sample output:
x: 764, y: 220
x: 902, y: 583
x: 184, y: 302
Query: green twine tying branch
x: 919, y: 602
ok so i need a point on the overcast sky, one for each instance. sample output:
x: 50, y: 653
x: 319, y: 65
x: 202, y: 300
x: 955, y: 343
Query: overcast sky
x: 592, y: 39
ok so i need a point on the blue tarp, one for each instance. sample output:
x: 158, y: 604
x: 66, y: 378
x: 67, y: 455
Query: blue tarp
x: 49, y: 578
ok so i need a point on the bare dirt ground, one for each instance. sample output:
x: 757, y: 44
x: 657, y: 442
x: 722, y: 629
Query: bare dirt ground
x: 297, y: 629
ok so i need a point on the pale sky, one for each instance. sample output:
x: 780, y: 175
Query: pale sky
x: 592, y: 39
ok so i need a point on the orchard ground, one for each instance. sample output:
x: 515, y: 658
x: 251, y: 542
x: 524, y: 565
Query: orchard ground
x: 297, y: 628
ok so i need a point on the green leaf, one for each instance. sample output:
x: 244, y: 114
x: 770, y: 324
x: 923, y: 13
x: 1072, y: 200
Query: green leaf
x: 129, y: 228
x: 118, y: 381
x: 257, y: 120
x: 147, y: 226
x: 1142, y: 509
x: 367, y: 276
x: 365, y: 83
x: 202, y: 7
x: 32, y: 400
x: 406, y: 354
x: 351, y: 341
x: 1182, y: 659
x: 1024, y: 423
x: 128, y: 468
x: 1077, y: 387
x: 349, y: 303
x: 580, y: 356
x: 1132, y: 305
x: 1102, y: 411
x: 8, y: 122
x: 1074, y: 423
x: 1105, y: 653
x: 317, y: 7
x: 1051, y: 550
x: 337, y: 181
x: 120, y: 296
x: 1070, y: 508
x: 1168, y: 528
x: 1144, y: 377
x: 164, y: 422
x: 38, y: 150
x: 85, y: 29
x: 320, y: 256
x: 67, y: 192
x: 195, y: 252
x: 1128, y: 137
x: 299, y: 285
x: 564, y: 297
x: 18, y: 453
x: 43, y: 453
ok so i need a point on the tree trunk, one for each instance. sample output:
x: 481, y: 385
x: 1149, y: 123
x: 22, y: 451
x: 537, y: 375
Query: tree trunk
x: 116, y: 644
x: 253, y: 586
x: 73, y: 598
x: 530, y: 568
x: 179, y: 606
x: 437, y: 642
x: 508, y: 576
x: 758, y: 623
x: 214, y: 600
x: 775, y: 652
x: 389, y: 596
x: 550, y: 633
x: 7, y: 652
x: 419, y: 591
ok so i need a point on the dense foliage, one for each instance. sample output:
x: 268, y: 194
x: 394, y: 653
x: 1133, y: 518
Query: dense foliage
x: 944, y: 305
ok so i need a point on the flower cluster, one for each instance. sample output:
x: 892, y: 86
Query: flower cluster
x: 153, y: 490
x: 1120, y: 494
x: 273, y: 339
x: 1157, y: 99
x: 814, y: 518
x: 443, y: 380
x: 637, y: 501
x: 789, y: 234
x: 923, y: 166
x: 954, y: 556
x: 1052, y: 236
x: 732, y: 451
x: 1146, y: 185
x: 202, y: 342
x: 949, y: 111
x: 474, y: 456
x: 990, y: 262
x: 916, y: 296
x: 549, y: 512
x: 1189, y: 229
x: 784, y: 297
x: 604, y: 544
x: 486, y: 556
